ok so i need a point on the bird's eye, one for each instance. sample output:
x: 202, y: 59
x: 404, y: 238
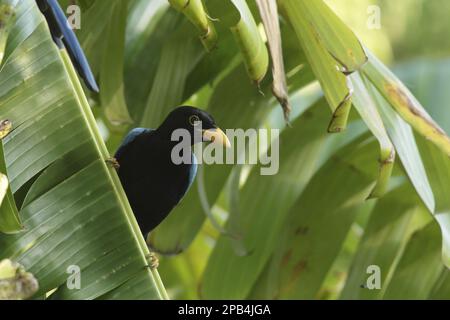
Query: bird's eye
x: 194, y: 120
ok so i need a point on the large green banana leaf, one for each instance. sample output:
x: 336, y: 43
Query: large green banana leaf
x: 73, y: 208
x: 423, y: 252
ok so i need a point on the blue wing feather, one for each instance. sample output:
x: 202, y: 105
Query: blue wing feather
x: 193, y: 170
x: 130, y: 138
x: 192, y: 174
x: 73, y: 46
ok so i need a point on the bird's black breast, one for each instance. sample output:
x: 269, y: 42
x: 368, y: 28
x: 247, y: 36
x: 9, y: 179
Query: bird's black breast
x: 152, y: 182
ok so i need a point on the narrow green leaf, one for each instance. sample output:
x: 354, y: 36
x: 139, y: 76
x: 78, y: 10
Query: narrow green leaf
x: 401, y: 99
x: 403, y: 139
x: 368, y: 111
x: 427, y: 80
x: 180, y: 54
x: 111, y: 73
x: 337, y: 37
x: 94, y: 24
x: 144, y: 19
x: 144, y: 44
x: 269, y: 14
x: 334, y: 83
x: 421, y: 262
x: 385, y: 235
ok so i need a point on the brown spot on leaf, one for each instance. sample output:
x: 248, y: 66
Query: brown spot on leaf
x: 401, y: 98
x: 390, y: 159
x: 286, y: 258
x: 301, y: 231
x: 298, y: 269
x: 200, y: 290
x: 350, y: 53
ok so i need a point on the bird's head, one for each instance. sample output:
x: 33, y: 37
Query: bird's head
x: 200, y: 125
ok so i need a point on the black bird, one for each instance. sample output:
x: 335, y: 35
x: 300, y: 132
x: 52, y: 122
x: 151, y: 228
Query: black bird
x: 64, y: 37
x: 152, y: 180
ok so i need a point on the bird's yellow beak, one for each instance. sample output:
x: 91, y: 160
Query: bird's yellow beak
x: 216, y: 135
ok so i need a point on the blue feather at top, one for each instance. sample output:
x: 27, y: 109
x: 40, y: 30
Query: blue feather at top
x: 72, y: 45
x: 130, y: 138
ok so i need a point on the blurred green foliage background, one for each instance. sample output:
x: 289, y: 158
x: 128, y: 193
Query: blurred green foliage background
x: 409, y: 28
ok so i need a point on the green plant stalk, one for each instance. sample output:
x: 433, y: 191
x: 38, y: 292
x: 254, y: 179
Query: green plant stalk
x: 250, y: 42
x: 104, y: 154
x: 366, y: 107
x: 339, y: 119
x: 196, y: 14
x: 386, y: 166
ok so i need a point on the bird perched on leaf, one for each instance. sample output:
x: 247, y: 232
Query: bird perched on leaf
x: 64, y: 37
x: 153, y: 181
